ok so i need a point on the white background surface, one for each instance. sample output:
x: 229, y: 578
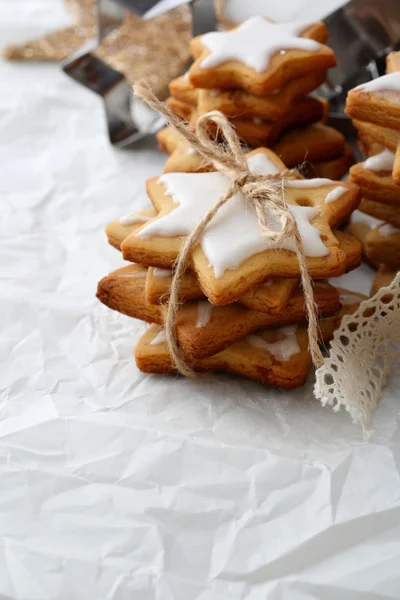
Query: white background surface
x: 115, y: 485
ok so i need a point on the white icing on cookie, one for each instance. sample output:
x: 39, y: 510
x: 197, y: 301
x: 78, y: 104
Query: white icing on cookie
x: 309, y: 183
x: 346, y: 299
x: 359, y: 217
x: 282, y: 349
x: 234, y: 234
x: 335, y: 194
x: 204, y: 308
x: 260, y: 164
x: 133, y: 218
x: 160, y: 338
x: 255, y: 42
x: 390, y: 82
x: 383, y: 161
x: 387, y: 230
x: 157, y: 272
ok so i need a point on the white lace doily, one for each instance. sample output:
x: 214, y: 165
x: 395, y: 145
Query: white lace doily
x: 360, y: 356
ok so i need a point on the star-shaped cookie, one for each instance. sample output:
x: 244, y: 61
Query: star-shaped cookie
x: 378, y: 102
x: 259, y: 56
x: 276, y: 357
x: 232, y: 256
x: 201, y: 328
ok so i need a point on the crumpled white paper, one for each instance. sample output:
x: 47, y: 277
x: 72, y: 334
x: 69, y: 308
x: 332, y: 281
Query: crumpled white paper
x: 115, y: 485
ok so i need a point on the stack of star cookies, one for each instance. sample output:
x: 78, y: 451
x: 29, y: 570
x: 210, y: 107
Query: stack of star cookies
x: 242, y: 309
x: 375, y: 110
x: 260, y: 76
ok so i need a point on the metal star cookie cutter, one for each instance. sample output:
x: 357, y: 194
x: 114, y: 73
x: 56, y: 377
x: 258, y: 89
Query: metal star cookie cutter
x: 361, y: 33
x: 128, y: 120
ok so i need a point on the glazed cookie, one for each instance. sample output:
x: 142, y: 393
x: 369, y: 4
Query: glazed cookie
x: 393, y: 62
x: 186, y: 159
x: 271, y: 296
x: 259, y: 56
x: 360, y: 224
x: 278, y: 357
x: 335, y: 168
x: 349, y: 301
x: 254, y: 132
x: 388, y: 213
x: 123, y: 290
x: 396, y: 166
x: 181, y: 89
x: 168, y: 139
x: 203, y: 329
x: 232, y: 256
x: 315, y: 142
x: 258, y: 132
x: 118, y: 230
x: 382, y: 245
x: 377, y: 101
x: 370, y: 133
x: 374, y: 178
x: 272, y: 107
x: 271, y: 356
x: 383, y: 278
x: 181, y: 109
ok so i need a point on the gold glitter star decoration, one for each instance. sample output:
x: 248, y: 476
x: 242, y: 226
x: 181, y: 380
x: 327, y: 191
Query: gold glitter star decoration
x: 157, y: 49
x: 58, y: 45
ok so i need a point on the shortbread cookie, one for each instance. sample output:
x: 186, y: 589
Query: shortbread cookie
x: 124, y: 291
x: 181, y: 89
x: 360, y: 225
x: 201, y: 328
x: 315, y: 142
x: 168, y: 139
x: 393, y: 62
x: 118, y: 230
x: 374, y: 178
x: 377, y: 101
x: 258, y: 132
x: 369, y: 133
x: 349, y: 301
x: 396, y: 167
x: 382, y: 245
x: 272, y: 107
x: 232, y: 256
x: 259, y: 56
x: 185, y: 159
x: 277, y: 357
x: 181, y: 109
x: 383, y: 278
x: 330, y: 169
x: 385, y: 212
x: 271, y: 296
x: 254, y: 132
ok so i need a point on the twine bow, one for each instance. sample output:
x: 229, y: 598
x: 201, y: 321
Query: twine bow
x: 264, y: 193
